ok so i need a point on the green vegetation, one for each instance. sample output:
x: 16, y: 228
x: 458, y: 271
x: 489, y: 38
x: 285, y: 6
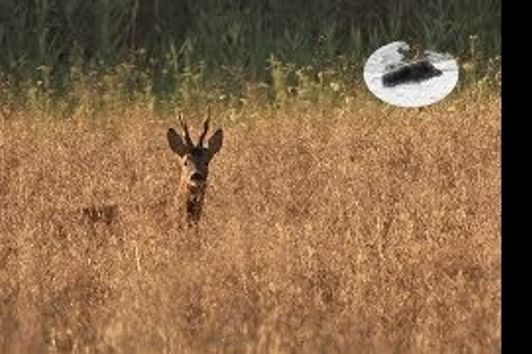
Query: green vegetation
x: 169, y: 50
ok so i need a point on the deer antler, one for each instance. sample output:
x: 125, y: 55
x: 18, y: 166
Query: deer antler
x: 185, y: 130
x: 205, y: 128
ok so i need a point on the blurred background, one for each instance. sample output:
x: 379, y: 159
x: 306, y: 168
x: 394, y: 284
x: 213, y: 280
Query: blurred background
x: 172, y: 49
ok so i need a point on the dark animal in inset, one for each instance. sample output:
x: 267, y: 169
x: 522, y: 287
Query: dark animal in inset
x: 411, y: 73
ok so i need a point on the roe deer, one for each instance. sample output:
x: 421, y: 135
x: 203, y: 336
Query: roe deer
x: 194, y: 160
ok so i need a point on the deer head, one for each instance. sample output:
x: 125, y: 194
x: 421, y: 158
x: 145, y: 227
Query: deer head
x: 194, y: 160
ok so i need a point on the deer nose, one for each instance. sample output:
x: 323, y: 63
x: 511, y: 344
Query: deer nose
x: 197, y: 176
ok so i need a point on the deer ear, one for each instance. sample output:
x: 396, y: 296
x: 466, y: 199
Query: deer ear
x: 176, y: 143
x: 215, y: 142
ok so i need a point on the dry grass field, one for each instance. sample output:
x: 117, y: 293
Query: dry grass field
x: 353, y: 228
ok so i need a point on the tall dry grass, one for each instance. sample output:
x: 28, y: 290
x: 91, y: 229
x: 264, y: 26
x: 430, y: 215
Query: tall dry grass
x: 356, y: 229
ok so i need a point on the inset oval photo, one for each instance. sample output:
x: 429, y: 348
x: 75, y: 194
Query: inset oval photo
x: 399, y: 76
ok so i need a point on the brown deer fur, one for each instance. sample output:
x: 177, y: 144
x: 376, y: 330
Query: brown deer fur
x: 194, y: 160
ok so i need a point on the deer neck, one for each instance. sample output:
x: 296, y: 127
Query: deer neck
x: 193, y: 201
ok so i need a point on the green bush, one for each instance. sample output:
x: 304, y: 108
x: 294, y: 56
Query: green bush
x: 170, y: 47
